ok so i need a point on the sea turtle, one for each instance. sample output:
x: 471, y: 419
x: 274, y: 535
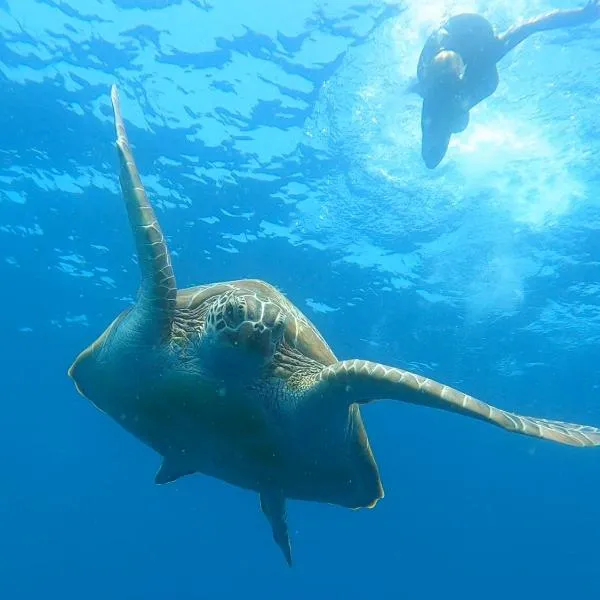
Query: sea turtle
x: 231, y: 380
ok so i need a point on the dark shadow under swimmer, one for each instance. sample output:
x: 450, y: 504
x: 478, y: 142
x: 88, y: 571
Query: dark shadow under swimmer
x: 457, y: 69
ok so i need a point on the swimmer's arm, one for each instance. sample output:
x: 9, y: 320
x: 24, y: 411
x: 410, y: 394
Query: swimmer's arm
x: 553, y: 20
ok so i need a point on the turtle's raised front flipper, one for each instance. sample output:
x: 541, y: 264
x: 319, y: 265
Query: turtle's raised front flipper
x: 158, y: 289
x: 272, y: 503
x: 362, y: 381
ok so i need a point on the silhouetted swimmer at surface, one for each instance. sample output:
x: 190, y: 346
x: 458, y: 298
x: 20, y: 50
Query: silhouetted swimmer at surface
x: 457, y: 69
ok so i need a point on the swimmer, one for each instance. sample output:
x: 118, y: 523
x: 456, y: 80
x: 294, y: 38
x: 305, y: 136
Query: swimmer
x: 457, y: 69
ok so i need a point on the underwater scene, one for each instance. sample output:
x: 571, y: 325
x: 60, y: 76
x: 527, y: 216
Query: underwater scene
x: 300, y: 299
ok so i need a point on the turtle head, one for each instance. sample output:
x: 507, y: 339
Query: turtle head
x: 246, y: 321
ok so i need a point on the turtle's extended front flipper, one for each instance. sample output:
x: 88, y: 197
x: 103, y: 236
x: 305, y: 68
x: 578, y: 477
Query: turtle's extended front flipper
x: 363, y: 381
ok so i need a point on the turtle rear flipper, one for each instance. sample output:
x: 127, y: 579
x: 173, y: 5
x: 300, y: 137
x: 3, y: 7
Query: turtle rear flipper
x: 361, y: 381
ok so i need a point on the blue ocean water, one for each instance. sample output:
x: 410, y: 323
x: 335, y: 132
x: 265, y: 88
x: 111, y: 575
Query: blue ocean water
x: 277, y: 141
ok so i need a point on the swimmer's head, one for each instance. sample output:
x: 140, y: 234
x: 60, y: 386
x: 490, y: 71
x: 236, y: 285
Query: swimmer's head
x: 446, y: 68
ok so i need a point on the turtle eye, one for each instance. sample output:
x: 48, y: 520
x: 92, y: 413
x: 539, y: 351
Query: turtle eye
x: 242, y: 310
x: 278, y: 329
x: 229, y: 310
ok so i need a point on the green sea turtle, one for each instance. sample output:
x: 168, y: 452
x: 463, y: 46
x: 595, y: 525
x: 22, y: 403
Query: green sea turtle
x: 231, y: 380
